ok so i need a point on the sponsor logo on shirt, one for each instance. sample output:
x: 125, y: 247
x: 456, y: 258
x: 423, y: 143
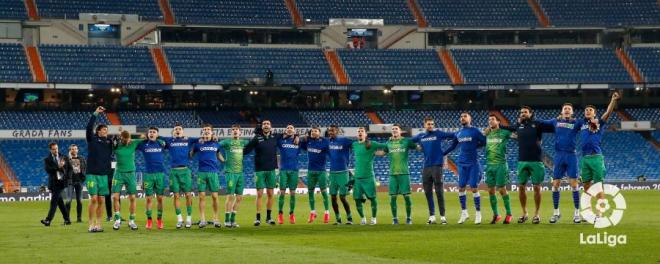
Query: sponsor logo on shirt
x: 314, y: 150
x: 214, y: 149
x: 153, y: 150
x: 237, y: 150
x: 433, y: 138
x: 289, y: 146
x: 464, y: 139
x: 336, y: 147
x: 494, y: 140
x: 397, y: 150
x: 179, y: 144
x: 565, y: 125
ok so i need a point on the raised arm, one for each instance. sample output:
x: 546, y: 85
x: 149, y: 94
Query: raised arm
x: 90, y: 125
x: 611, y: 106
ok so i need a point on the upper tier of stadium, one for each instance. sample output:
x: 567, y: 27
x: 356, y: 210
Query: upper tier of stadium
x: 82, y: 64
x: 434, y: 13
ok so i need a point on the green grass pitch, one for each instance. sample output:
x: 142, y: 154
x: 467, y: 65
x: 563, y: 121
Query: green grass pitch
x: 25, y: 240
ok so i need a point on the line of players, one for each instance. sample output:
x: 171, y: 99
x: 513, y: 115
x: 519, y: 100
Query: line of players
x: 267, y: 145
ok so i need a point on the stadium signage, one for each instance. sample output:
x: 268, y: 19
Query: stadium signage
x: 249, y: 132
x: 55, y: 133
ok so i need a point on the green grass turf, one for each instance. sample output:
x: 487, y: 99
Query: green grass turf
x: 24, y: 239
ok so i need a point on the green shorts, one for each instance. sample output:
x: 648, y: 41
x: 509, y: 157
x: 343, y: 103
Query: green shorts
x: 339, y: 183
x: 315, y: 178
x: 288, y: 179
x: 235, y: 183
x: 153, y: 182
x: 592, y: 168
x: 497, y: 175
x: 181, y: 180
x: 127, y: 179
x: 364, y: 187
x: 97, y: 185
x: 400, y: 184
x: 265, y: 179
x: 531, y: 169
x: 207, y: 181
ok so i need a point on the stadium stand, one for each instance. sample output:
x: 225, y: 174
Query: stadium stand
x: 70, y: 9
x: 342, y: 118
x: 647, y: 60
x: 12, y: 10
x: 395, y: 67
x: 226, y: 12
x: 46, y: 120
x: 478, y: 13
x: 321, y: 11
x: 160, y: 118
x: 98, y: 64
x: 538, y: 66
x: 443, y: 119
x: 610, y: 13
x: 13, y: 64
x: 232, y: 65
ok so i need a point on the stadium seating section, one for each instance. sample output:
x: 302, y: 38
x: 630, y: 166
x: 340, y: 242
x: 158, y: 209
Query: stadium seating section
x: 231, y: 65
x: 611, y: 13
x: 321, y: 11
x: 647, y: 60
x: 160, y: 118
x: 46, y: 120
x: 227, y: 12
x: 13, y: 64
x: 98, y: 64
x: 478, y: 13
x: 12, y: 10
x: 394, y: 67
x: 535, y: 66
x: 69, y: 9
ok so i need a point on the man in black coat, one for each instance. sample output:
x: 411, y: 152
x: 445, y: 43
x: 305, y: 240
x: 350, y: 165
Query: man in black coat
x: 76, y: 177
x: 56, y: 166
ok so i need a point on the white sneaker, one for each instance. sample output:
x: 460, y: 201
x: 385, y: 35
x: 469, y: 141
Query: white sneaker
x: 373, y: 221
x: 443, y: 220
x: 477, y: 218
x: 132, y: 225
x: 431, y: 220
x: 363, y: 221
x: 188, y: 224
x: 179, y: 224
x: 577, y: 219
x: 202, y: 224
x: 116, y: 225
x: 227, y: 224
x: 234, y: 225
x: 464, y: 217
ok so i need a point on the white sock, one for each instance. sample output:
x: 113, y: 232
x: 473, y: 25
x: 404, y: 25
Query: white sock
x: 327, y: 212
x: 179, y: 218
x: 576, y: 212
x: 556, y: 211
x: 189, y: 218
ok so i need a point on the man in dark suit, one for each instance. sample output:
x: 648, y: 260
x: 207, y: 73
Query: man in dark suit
x: 56, y: 166
x: 76, y: 179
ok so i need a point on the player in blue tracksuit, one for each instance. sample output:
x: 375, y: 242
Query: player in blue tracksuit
x: 317, y: 152
x: 339, y: 151
x: 468, y: 139
x: 566, y: 128
x: 430, y: 142
x: 154, y: 177
x: 208, y: 155
x: 178, y: 146
x: 288, y: 175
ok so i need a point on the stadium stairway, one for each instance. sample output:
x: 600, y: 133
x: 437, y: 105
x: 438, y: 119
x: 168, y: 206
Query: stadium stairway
x: 32, y: 11
x: 625, y: 116
x: 336, y: 67
x: 295, y: 13
x: 7, y: 176
x: 540, y: 14
x: 630, y: 66
x: 450, y: 66
x: 417, y: 13
x: 168, y: 15
x: 162, y: 66
x: 114, y: 118
x: 36, y: 65
x: 374, y: 117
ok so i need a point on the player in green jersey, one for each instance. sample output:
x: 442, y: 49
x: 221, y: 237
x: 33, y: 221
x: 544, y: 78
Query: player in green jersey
x: 124, y: 151
x: 397, y: 149
x: 365, y: 181
x: 497, y: 171
x: 233, y: 160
